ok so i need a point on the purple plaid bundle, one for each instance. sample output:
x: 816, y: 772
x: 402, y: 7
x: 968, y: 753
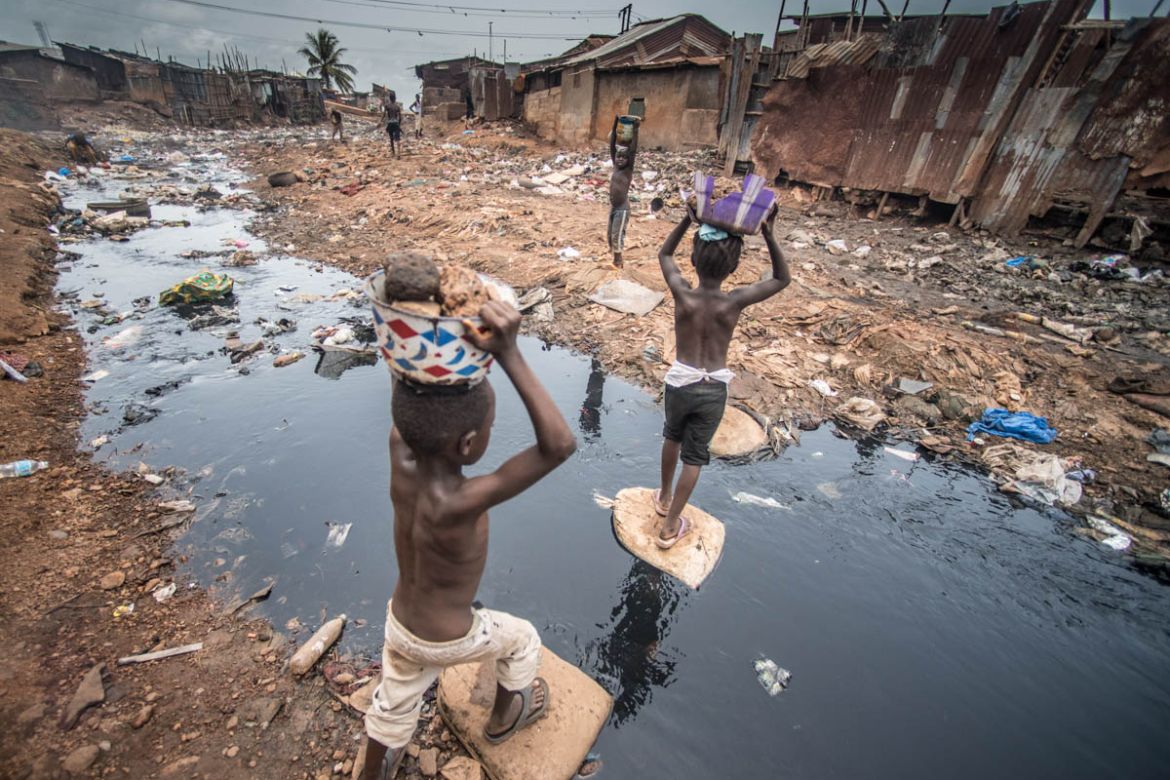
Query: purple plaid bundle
x: 740, y: 212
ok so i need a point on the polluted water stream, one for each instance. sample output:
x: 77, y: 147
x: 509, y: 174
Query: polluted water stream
x: 932, y: 628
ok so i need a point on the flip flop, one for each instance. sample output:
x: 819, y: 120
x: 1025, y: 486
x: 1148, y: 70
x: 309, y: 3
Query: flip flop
x: 658, y: 504
x: 527, y: 715
x: 684, y: 527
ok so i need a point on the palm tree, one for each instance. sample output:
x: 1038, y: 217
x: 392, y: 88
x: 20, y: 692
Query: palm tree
x: 324, y: 56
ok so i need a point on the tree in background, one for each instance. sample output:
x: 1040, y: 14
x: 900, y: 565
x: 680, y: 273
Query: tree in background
x: 324, y: 55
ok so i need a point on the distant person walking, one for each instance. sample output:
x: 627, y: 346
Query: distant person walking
x: 417, y: 108
x: 394, y: 122
x: 338, y: 131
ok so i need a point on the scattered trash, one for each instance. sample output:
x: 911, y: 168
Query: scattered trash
x: 12, y: 373
x: 1038, y: 475
x: 178, y: 505
x: 822, y: 387
x: 203, y: 287
x: 99, y: 441
x: 338, y: 533
x: 153, y: 479
x: 765, y: 501
x: 912, y: 457
x: 1159, y: 440
x: 1013, y: 425
x: 1160, y: 458
x: 829, y: 490
x: 125, y: 337
x: 287, y: 359
x: 22, y: 468
x: 158, y: 655
x: 96, y: 376
x: 862, y: 412
x: 136, y: 413
x: 310, y: 652
x: 123, y: 610
x: 568, y: 253
x: 283, y: 179
x: 1114, y: 536
x: 837, y: 247
x: 165, y: 592
x: 913, y: 386
x: 626, y: 296
x: 772, y: 678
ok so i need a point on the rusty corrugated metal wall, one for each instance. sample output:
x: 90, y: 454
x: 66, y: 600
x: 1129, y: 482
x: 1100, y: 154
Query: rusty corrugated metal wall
x: 920, y: 117
x: 1100, y: 110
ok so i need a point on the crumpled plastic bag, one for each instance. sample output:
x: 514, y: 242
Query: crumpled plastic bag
x: 862, y: 412
x: 203, y: 287
x: 626, y: 296
x: 1013, y: 425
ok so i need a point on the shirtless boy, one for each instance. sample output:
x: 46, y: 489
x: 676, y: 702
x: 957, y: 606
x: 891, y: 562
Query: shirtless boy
x: 619, y: 191
x: 696, y: 384
x: 394, y: 122
x: 441, y: 540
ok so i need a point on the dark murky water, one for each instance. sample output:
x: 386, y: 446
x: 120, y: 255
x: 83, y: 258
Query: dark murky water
x: 931, y: 628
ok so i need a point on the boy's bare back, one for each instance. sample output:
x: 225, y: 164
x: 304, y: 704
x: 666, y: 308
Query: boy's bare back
x: 440, y: 515
x: 705, y: 316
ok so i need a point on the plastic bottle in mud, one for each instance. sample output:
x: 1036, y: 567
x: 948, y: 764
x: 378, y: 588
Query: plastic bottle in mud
x: 22, y: 468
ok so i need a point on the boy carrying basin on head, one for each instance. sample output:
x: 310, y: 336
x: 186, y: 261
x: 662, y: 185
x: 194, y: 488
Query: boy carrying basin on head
x: 440, y: 540
x: 696, y: 384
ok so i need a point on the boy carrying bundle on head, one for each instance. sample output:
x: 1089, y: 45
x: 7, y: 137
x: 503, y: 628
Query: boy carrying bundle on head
x: 622, y: 155
x: 441, y: 539
x: 696, y: 384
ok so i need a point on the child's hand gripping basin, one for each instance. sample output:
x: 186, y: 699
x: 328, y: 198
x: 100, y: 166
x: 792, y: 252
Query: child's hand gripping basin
x: 741, y: 213
x: 426, y: 350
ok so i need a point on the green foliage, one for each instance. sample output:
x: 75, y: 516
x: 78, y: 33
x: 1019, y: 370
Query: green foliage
x: 324, y: 55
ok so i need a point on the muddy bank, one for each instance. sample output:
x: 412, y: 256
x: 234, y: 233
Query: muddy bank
x: 897, y: 297
x: 88, y: 564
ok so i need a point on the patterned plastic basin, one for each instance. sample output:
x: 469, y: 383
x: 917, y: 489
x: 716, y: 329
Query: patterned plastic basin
x: 426, y: 350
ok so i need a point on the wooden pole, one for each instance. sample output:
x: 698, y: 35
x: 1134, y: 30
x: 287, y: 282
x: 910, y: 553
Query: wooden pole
x: 902, y: 15
x: 849, y: 24
x: 861, y: 19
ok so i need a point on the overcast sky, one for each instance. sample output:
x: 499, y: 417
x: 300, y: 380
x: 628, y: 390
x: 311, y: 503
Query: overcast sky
x: 188, y: 29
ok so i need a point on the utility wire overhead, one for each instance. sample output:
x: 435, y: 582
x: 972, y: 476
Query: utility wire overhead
x: 369, y: 26
x: 459, y: 10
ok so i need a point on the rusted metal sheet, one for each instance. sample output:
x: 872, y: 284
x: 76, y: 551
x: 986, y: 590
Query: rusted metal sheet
x: 684, y: 36
x: 1077, y: 133
x: 924, y: 112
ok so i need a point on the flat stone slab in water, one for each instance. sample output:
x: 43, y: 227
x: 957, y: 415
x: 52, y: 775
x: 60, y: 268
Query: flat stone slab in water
x: 550, y: 749
x: 738, y: 434
x: 636, y: 524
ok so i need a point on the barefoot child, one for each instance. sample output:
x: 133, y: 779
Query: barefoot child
x: 619, y: 191
x: 441, y: 539
x: 338, y: 132
x: 696, y: 384
x: 394, y: 122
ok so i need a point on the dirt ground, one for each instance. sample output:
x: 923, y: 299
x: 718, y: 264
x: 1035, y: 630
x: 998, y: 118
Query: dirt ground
x: 83, y: 545
x: 916, y: 304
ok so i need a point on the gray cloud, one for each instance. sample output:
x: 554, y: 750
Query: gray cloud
x: 188, y: 32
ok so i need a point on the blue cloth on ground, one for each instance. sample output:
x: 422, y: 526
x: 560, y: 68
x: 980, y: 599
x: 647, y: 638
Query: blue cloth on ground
x: 711, y: 233
x: 1013, y: 425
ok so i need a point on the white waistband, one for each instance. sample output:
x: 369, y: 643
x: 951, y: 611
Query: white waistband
x: 681, y: 375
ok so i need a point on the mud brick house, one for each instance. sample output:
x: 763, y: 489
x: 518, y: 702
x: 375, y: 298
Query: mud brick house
x: 59, y: 80
x: 446, y: 85
x: 668, y: 70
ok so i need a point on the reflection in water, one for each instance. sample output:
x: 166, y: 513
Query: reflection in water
x: 630, y: 657
x: 335, y: 361
x: 591, y: 409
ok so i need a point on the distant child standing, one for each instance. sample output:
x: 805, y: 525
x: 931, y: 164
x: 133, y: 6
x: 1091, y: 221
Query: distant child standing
x: 394, y: 122
x: 696, y: 384
x: 335, y: 120
x: 619, y: 190
x: 417, y: 108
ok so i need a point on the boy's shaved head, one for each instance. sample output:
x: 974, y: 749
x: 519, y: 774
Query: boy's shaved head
x: 432, y: 420
x: 716, y: 259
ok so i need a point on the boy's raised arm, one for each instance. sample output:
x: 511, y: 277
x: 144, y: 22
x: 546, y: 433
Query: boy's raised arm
x: 555, y: 441
x: 762, y: 290
x: 674, y: 277
x: 613, y: 140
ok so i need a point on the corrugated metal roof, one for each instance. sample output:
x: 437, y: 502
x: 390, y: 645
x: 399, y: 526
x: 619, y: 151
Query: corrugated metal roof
x: 684, y: 35
x: 823, y: 55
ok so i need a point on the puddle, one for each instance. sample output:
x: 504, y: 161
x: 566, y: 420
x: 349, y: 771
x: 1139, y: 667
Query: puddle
x: 932, y: 628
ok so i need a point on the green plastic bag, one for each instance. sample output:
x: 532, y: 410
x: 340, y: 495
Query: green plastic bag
x: 204, y: 287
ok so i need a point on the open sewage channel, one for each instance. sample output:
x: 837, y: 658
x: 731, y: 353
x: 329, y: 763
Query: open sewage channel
x: 932, y: 627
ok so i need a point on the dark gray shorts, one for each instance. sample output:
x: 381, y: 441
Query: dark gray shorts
x: 693, y: 414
